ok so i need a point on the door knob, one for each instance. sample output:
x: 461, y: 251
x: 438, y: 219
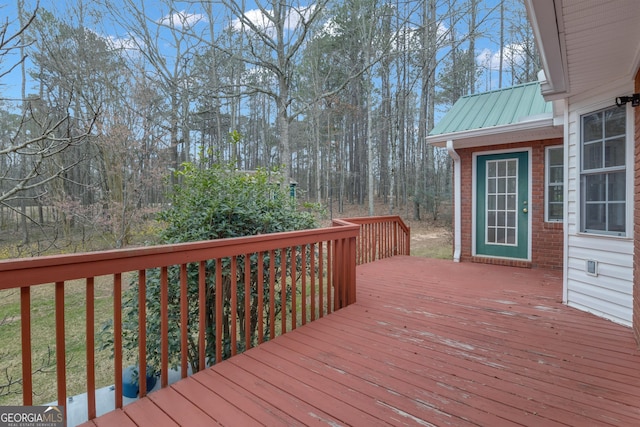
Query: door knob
x: 525, y: 210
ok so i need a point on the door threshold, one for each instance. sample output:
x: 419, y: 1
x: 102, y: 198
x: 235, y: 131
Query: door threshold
x: 509, y: 262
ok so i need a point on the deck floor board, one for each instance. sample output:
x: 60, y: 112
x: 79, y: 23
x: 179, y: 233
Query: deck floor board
x: 428, y: 343
x: 247, y: 403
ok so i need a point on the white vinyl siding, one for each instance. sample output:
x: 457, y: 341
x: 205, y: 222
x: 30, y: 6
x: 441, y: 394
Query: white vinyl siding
x: 609, y: 293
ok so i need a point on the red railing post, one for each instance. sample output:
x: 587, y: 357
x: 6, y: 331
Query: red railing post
x: 272, y: 292
x: 303, y: 268
x: 142, y: 332
x: 234, y: 305
x: 247, y: 302
x: 61, y: 366
x: 331, y: 263
x: 338, y: 275
x: 294, y: 302
x: 184, y: 321
x: 164, y: 326
x: 260, y: 285
x: 202, y: 314
x: 25, y: 324
x: 90, y: 347
x: 219, y: 289
x: 283, y: 290
x: 351, y: 270
x: 117, y: 336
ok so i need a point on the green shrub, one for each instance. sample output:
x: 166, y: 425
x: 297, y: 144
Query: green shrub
x: 221, y: 202
x: 214, y: 203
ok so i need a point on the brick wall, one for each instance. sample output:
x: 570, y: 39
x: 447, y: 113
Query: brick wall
x: 636, y: 221
x: 546, y: 237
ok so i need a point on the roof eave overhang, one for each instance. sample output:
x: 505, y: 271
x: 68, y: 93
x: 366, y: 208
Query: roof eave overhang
x: 534, y: 130
x: 545, y: 17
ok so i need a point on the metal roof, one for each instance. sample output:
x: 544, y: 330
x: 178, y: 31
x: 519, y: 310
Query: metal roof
x: 509, y: 115
x: 500, y: 107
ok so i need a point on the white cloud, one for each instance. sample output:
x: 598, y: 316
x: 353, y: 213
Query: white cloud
x: 260, y: 20
x: 488, y: 59
x: 295, y: 16
x: 256, y: 17
x: 513, y: 53
x: 182, y: 19
x: 117, y: 43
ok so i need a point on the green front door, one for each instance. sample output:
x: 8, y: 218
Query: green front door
x: 502, y: 226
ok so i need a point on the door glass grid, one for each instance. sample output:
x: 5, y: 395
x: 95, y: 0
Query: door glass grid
x: 501, y: 204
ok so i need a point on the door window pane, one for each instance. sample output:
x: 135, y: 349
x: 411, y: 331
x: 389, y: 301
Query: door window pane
x: 492, y: 203
x: 491, y: 219
x: 502, y: 202
x: 502, y: 185
x: 491, y: 169
x: 502, y: 168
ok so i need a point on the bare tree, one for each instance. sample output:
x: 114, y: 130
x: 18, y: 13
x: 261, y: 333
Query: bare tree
x: 31, y: 152
x: 166, y: 51
x: 274, y: 43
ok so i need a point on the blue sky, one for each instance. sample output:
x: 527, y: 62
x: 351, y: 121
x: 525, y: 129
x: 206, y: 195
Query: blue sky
x: 186, y: 13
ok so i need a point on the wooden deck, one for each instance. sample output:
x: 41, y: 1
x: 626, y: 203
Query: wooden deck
x: 428, y: 342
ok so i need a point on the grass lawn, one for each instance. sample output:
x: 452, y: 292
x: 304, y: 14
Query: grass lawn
x: 43, y: 340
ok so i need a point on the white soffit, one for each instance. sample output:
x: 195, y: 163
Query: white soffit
x: 588, y: 43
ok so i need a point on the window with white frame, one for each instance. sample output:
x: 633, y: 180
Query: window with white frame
x: 603, y: 172
x: 554, y: 183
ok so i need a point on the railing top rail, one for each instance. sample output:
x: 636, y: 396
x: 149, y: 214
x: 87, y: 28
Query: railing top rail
x: 33, y: 271
x: 377, y: 219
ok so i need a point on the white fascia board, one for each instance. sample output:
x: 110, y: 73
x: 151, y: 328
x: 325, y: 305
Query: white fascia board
x: 635, y: 64
x: 482, y: 136
x: 545, y: 17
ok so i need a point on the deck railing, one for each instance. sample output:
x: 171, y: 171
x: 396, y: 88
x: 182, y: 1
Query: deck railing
x: 267, y: 284
x: 381, y: 237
